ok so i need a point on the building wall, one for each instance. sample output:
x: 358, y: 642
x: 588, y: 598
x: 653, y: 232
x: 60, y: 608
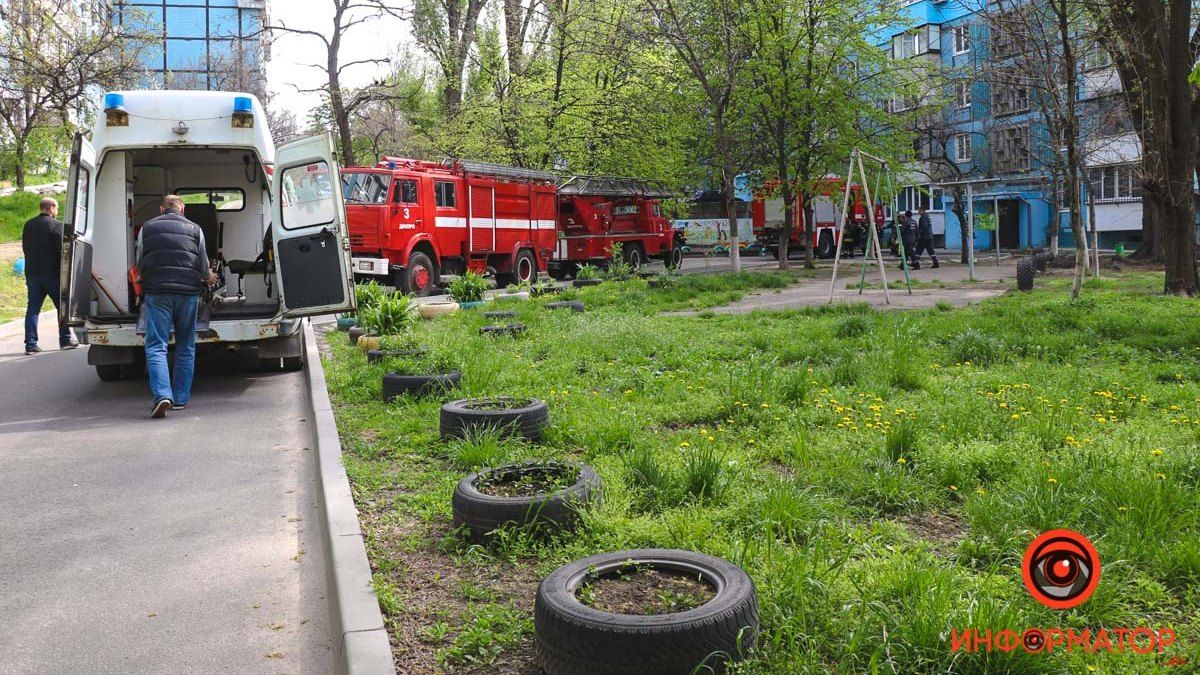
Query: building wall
x: 200, y: 44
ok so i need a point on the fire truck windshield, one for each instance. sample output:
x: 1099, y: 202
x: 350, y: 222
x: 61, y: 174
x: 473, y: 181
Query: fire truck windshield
x: 365, y: 188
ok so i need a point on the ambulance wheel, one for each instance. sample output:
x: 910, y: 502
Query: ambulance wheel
x: 419, y: 278
x: 633, y: 256
x: 525, y: 269
x: 292, y: 364
x: 825, y: 245
x: 109, y: 372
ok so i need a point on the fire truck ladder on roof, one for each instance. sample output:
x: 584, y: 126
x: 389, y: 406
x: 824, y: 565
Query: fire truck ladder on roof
x: 489, y: 169
x: 614, y: 186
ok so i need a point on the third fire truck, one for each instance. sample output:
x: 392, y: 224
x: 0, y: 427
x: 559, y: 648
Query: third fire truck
x: 767, y: 215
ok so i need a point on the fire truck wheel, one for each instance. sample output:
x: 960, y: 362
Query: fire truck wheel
x: 571, y: 638
x: 420, y: 277
x: 825, y: 245
x: 510, y: 416
x: 483, y: 513
x: 525, y: 267
x: 396, y: 385
x: 675, y: 257
x: 633, y: 255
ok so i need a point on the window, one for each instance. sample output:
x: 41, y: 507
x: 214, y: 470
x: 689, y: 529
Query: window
x: 82, y: 192
x: 903, y: 103
x: 1097, y: 58
x: 186, y: 55
x: 916, y: 42
x: 307, y: 196
x: 225, y: 199
x: 186, y: 22
x: 914, y: 197
x: 1008, y: 33
x: 962, y: 148
x: 1010, y: 149
x: 365, y: 188
x: 1115, y: 183
x: 1010, y: 94
x: 625, y: 210
x: 443, y: 193
x: 406, y: 192
x: 962, y: 93
x: 657, y: 210
x: 962, y: 39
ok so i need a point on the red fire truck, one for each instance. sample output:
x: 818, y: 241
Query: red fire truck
x: 411, y: 221
x: 767, y: 216
x: 595, y: 212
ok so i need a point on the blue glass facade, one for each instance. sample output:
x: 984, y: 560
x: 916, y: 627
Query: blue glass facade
x: 198, y: 44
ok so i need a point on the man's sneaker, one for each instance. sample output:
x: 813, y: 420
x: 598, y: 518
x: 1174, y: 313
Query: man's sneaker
x: 178, y: 406
x: 935, y: 264
x: 70, y: 345
x: 33, y: 350
x: 160, y: 408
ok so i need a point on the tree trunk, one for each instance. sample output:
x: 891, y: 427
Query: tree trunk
x: 19, y: 162
x: 785, y: 189
x: 728, y: 176
x: 960, y: 212
x: 806, y: 232
x: 337, y: 105
x: 1094, y: 240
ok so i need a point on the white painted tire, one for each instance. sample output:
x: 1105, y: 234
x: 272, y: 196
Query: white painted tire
x: 434, y: 309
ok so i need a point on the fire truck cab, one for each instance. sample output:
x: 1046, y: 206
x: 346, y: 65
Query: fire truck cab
x: 595, y: 212
x: 412, y: 221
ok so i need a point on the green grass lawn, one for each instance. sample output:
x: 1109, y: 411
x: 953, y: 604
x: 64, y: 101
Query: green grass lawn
x: 17, y: 208
x: 12, y: 293
x: 879, y: 475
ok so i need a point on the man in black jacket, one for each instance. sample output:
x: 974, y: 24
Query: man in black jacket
x: 174, y: 269
x: 41, y: 242
x: 924, y: 240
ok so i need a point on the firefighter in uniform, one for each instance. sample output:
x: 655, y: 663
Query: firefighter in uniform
x: 924, y: 240
x: 908, y: 235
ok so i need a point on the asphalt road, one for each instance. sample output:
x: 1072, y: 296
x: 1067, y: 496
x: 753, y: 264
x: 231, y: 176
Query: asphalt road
x: 130, y: 545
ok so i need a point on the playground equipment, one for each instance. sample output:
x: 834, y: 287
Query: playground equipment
x: 883, y: 173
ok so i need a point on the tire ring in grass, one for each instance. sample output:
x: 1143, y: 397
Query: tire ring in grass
x: 509, y: 329
x: 573, y: 305
x: 396, y: 385
x: 500, y: 314
x: 482, y: 513
x: 580, y: 283
x: 571, y: 638
x: 344, y: 323
x: 509, y: 416
x: 354, y: 333
x: 377, y: 355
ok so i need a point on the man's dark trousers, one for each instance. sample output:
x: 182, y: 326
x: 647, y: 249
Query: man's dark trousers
x: 40, y: 286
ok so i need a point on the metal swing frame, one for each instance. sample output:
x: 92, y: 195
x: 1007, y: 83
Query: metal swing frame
x: 873, y: 244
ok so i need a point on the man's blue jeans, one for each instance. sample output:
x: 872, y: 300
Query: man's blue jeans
x: 164, y: 312
x: 40, y: 286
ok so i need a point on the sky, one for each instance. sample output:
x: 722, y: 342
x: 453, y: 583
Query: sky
x: 382, y: 38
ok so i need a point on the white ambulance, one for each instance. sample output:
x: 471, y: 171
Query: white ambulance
x: 273, y: 221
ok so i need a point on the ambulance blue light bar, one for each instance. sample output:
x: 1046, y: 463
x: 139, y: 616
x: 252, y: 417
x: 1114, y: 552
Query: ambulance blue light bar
x: 243, y: 112
x: 115, y: 114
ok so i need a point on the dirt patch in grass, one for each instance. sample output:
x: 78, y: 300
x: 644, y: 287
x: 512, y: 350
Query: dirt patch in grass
x: 527, y: 481
x: 645, y: 591
x: 941, y: 529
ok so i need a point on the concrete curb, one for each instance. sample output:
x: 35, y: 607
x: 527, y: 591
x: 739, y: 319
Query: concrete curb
x: 360, y: 640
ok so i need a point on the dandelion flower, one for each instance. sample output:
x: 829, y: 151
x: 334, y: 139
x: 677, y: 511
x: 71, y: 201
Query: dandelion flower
x: 902, y: 461
x: 1015, y: 416
x: 954, y: 488
x: 1160, y: 476
x: 1052, y: 480
x: 1156, y: 452
x: 685, y: 444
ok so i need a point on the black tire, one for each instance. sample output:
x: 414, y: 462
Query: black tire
x: 377, y: 355
x: 396, y: 385
x: 482, y: 513
x: 826, y: 247
x: 354, y: 333
x: 1040, y: 260
x: 508, y: 329
x: 573, y: 639
x: 573, y: 305
x: 502, y: 314
x: 525, y: 269
x: 293, y: 364
x: 513, y: 417
x: 583, y: 283
x: 1025, y: 269
x: 110, y: 372
x: 674, y: 257
x: 633, y: 255
x: 420, y: 277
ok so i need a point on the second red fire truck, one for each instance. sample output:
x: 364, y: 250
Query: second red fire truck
x: 412, y: 221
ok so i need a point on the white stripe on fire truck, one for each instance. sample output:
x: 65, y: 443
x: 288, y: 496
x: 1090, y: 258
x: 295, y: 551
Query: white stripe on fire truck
x: 501, y: 223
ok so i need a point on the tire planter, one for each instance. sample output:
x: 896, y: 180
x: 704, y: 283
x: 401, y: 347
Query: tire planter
x: 1025, y: 269
x: 1040, y: 261
x: 501, y: 314
x: 573, y: 305
x: 510, y: 329
x: 519, y: 295
x: 581, y: 283
x: 472, y: 304
x: 510, y: 416
x: 377, y: 355
x: 368, y: 342
x: 481, y: 513
x: 344, y: 323
x: 571, y: 638
x: 436, y: 309
x: 355, y: 332
x: 396, y: 385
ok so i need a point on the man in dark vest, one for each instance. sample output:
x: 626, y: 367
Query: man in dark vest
x: 174, y: 269
x: 41, y: 242
x: 924, y: 240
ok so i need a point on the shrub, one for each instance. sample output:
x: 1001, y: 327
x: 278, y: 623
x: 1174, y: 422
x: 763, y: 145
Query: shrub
x: 586, y: 271
x: 368, y: 295
x: 853, y: 326
x: 617, y: 267
x: 975, y: 346
x: 468, y: 288
x: 389, y: 315
x: 704, y: 474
